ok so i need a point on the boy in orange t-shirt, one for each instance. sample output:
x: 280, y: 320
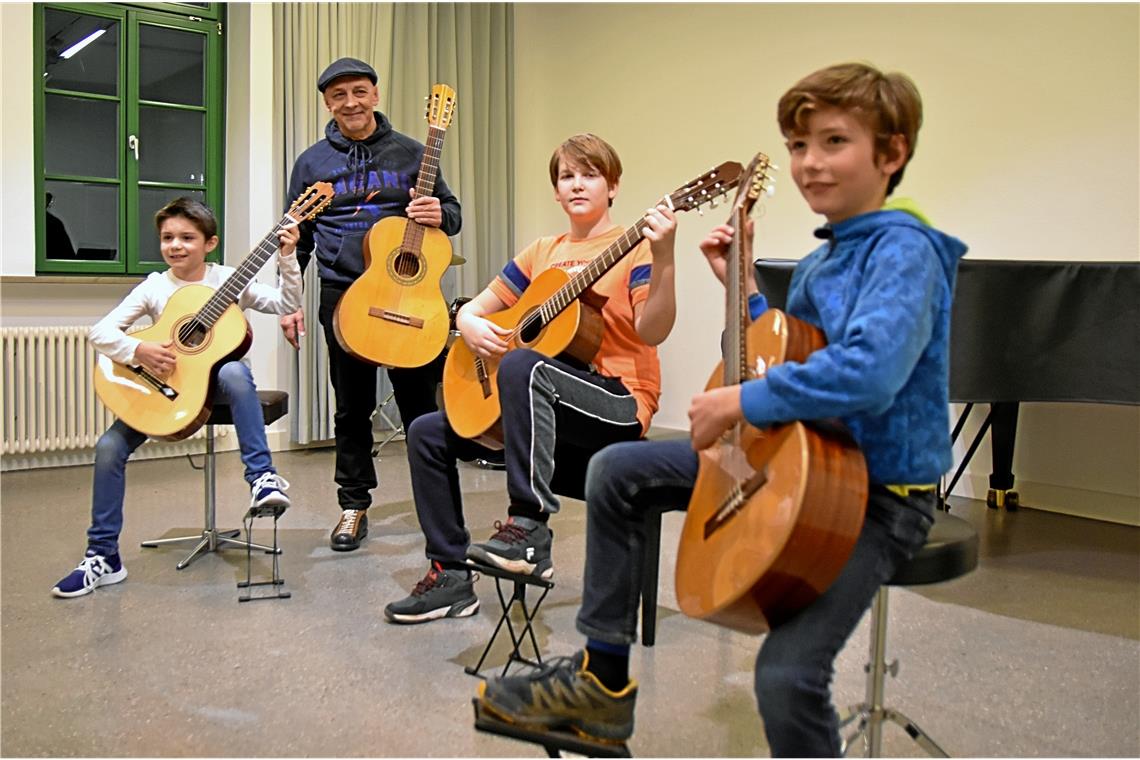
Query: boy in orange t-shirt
x: 551, y: 409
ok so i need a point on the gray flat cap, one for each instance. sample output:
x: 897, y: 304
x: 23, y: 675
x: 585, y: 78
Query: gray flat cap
x: 345, y: 67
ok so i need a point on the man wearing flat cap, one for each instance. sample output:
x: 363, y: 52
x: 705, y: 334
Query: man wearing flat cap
x: 373, y: 169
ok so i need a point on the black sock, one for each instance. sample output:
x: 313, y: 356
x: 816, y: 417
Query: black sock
x: 528, y: 511
x: 611, y: 669
x: 457, y: 567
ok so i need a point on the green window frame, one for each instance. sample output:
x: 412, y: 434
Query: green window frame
x: 131, y: 21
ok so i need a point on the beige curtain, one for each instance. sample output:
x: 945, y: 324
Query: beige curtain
x: 412, y: 47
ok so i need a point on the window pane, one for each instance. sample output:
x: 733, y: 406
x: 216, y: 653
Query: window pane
x: 91, y: 47
x: 82, y: 221
x: 151, y: 199
x: 81, y: 137
x: 172, y: 145
x: 172, y: 65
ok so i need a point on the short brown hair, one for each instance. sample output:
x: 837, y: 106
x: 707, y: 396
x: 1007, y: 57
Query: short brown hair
x: 197, y: 212
x: 889, y: 104
x: 587, y: 150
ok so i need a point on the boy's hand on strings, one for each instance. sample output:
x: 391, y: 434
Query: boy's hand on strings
x: 424, y: 209
x: 713, y: 412
x: 482, y: 336
x: 287, y: 237
x: 659, y: 229
x: 293, y: 325
x: 156, y: 358
x: 716, y: 246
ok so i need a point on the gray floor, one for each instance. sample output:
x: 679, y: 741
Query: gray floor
x: 1037, y: 653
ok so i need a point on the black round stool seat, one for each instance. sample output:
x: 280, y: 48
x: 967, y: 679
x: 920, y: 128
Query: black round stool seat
x: 951, y: 550
x: 274, y: 406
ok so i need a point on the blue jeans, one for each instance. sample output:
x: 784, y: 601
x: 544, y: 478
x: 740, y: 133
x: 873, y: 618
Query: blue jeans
x: 796, y: 661
x: 235, y: 387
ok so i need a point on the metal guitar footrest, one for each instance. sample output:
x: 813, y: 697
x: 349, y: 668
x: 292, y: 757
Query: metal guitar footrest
x: 519, y: 582
x: 553, y: 741
x: 276, y: 581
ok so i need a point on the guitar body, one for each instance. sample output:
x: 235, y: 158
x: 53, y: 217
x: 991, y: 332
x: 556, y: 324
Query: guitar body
x: 174, y: 408
x: 470, y: 384
x: 771, y: 522
x: 395, y: 314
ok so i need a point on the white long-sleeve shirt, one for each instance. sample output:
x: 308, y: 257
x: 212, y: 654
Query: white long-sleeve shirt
x: 150, y: 296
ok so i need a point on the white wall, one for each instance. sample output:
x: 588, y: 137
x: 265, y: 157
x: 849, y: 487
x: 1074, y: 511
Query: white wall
x: 1029, y: 151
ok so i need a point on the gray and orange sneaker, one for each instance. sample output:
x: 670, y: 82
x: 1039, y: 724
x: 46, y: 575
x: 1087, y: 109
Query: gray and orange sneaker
x: 562, y: 694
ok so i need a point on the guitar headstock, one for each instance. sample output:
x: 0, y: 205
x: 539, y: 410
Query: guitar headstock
x: 756, y: 182
x: 441, y: 106
x: 707, y: 188
x: 311, y: 202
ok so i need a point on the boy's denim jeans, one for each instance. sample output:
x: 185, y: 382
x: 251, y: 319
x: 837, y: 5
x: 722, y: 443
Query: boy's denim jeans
x: 795, y: 664
x: 235, y: 387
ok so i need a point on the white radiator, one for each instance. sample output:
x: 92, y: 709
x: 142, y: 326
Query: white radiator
x: 48, y: 402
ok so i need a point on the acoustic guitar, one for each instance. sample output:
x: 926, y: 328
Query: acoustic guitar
x: 394, y: 314
x: 774, y: 513
x: 553, y: 316
x: 207, y: 329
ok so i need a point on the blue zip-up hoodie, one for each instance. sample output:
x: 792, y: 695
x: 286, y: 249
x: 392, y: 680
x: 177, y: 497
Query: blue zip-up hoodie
x: 371, y: 178
x: 881, y: 291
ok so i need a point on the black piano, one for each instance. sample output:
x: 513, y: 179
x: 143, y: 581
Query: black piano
x: 1051, y: 331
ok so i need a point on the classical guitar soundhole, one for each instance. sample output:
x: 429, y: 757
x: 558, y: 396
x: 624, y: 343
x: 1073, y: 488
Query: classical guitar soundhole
x: 406, y: 267
x: 192, y: 335
x: 530, y: 327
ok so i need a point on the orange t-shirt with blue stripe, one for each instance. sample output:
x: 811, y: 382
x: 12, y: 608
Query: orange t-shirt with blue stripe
x: 622, y: 354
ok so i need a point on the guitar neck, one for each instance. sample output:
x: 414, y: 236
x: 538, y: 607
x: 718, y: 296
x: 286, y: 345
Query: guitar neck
x: 425, y: 183
x: 231, y: 289
x: 591, y: 273
x: 736, y: 306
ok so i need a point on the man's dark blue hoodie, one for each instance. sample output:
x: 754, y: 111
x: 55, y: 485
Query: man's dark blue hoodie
x: 371, y: 178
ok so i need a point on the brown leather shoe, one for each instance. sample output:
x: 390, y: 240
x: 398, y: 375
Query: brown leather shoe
x: 353, y: 526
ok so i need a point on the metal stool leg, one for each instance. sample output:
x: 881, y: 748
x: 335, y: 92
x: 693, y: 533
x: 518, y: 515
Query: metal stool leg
x: 871, y: 713
x: 210, y: 539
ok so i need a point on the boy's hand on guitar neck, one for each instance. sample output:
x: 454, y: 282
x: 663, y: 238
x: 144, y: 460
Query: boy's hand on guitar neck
x: 716, y: 248
x: 425, y: 210
x: 660, y: 229
x: 712, y: 413
x: 288, y: 236
x: 293, y: 325
x: 156, y: 358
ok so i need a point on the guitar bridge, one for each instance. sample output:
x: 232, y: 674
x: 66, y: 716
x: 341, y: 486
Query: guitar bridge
x: 395, y: 316
x: 167, y: 392
x: 484, y: 377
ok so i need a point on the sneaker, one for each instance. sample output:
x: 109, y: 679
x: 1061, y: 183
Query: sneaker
x: 562, y: 694
x: 442, y: 593
x: 522, y: 545
x: 95, y: 570
x: 267, y: 495
x: 352, y: 527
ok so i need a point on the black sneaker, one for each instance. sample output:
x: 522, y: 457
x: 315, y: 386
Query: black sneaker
x: 562, y: 694
x: 442, y: 593
x: 347, y: 534
x: 522, y: 545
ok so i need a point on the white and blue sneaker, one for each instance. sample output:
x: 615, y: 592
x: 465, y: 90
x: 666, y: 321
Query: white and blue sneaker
x: 267, y: 494
x: 95, y: 570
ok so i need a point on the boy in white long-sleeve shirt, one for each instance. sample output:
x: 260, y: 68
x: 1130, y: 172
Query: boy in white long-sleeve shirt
x: 187, y: 232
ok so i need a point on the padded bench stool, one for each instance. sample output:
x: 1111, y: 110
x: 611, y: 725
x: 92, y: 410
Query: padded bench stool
x: 274, y: 406
x: 951, y: 550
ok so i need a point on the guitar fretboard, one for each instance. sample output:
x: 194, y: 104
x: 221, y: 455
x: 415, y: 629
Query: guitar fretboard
x: 425, y: 184
x: 231, y: 289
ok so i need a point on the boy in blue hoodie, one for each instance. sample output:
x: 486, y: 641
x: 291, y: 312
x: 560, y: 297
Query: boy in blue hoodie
x: 880, y: 289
